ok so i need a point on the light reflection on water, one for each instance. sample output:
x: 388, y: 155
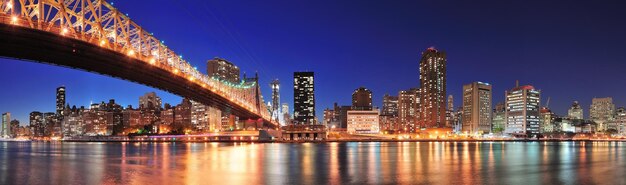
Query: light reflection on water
x: 313, y: 163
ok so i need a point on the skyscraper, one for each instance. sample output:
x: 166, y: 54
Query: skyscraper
x: 433, y: 87
x: 575, y: 112
x: 450, y: 112
x: 275, y: 100
x: 522, y: 111
x: 476, y: 108
x: 5, y: 131
x: 601, y: 111
x: 362, y: 99
x: 303, y: 98
x: 408, y: 109
x: 60, y: 101
x: 223, y: 70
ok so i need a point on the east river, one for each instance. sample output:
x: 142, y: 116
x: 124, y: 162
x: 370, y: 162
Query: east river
x: 314, y: 163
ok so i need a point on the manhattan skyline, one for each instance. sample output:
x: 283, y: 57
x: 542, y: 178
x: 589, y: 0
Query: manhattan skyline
x: 496, y: 43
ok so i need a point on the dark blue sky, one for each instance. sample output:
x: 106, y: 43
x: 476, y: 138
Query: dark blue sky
x: 570, y: 50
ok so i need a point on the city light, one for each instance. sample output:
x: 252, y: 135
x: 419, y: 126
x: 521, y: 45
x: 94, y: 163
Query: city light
x: 9, y: 5
x: 13, y: 19
x: 64, y: 31
x: 131, y: 52
x: 152, y: 61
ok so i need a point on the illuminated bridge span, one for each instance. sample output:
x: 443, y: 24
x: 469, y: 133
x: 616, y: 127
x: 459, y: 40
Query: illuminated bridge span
x: 92, y: 35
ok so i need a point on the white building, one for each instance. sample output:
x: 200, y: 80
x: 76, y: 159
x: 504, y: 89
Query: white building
x: 363, y: 121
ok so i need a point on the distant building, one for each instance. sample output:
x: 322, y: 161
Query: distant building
x: 72, y: 124
x: 620, y: 120
x: 476, y: 108
x: 14, y: 125
x: 5, y: 130
x: 60, y: 100
x: 150, y: 101
x: 602, y: 111
x: 498, y: 120
x: 363, y: 122
x: 389, y: 114
x: 182, y: 113
x: 408, y: 109
x: 433, y: 87
x: 522, y: 111
x: 286, y: 114
x: 304, y: 98
x: 199, y: 115
x: 131, y: 118
x: 450, y: 112
x: 362, y: 99
x: 575, y: 112
x: 390, y: 105
x: 329, y: 118
x: 547, y: 124
x: 275, y: 109
x: 223, y: 70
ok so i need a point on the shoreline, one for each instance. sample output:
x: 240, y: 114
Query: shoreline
x: 324, y: 141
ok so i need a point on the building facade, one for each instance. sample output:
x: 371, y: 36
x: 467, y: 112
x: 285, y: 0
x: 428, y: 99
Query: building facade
x: 476, y: 108
x: 522, y: 111
x: 304, y: 98
x: 433, y: 87
x: 5, y: 130
x: 575, y: 111
x: 224, y: 70
x: 409, y: 110
x: 362, y: 99
x: 498, y: 120
x: 602, y: 111
x: 363, y: 122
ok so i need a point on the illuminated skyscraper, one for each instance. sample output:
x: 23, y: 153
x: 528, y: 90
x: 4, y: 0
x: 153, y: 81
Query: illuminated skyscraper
x: 362, y: 99
x: 60, y: 101
x: 275, y: 99
x: 303, y: 98
x: 223, y: 70
x: 476, y: 108
x: 522, y: 111
x: 433, y: 87
x: 408, y: 109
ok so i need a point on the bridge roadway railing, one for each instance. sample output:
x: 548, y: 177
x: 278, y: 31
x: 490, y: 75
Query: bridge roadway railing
x: 99, y: 23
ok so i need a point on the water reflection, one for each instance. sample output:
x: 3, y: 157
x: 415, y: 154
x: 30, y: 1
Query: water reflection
x: 311, y: 163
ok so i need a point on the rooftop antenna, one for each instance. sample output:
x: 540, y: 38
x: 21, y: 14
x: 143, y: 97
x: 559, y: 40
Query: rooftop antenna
x: 516, y: 83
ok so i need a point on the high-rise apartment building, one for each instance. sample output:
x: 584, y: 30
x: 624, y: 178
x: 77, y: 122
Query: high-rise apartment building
x: 576, y: 111
x: 362, y: 99
x: 450, y: 112
x: 433, y: 87
x: 304, y: 98
x: 476, y: 108
x: 5, y: 130
x: 408, y: 109
x: 224, y: 70
x: 522, y: 111
x: 60, y: 101
x: 390, y: 105
x: 601, y: 111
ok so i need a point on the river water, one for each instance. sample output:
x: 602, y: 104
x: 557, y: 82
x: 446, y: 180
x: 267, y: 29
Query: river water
x: 314, y: 163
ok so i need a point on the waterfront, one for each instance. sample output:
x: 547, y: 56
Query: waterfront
x: 313, y: 163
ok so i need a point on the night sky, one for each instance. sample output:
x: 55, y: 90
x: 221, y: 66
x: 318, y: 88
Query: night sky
x: 569, y: 50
